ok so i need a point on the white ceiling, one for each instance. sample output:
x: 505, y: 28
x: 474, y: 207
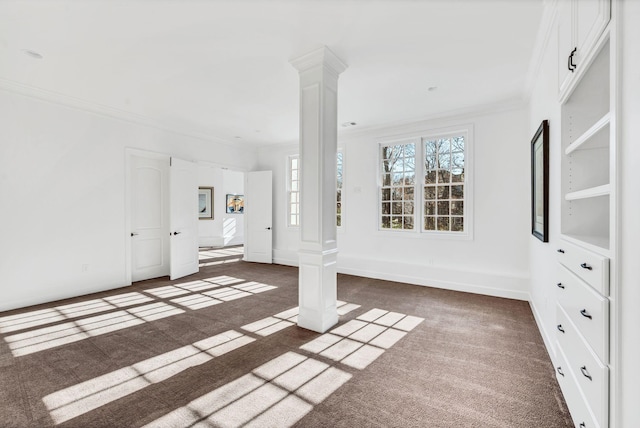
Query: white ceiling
x: 221, y: 67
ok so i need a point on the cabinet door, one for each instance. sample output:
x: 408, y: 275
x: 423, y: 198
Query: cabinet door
x: 592, y: 17
x: 565, y: 43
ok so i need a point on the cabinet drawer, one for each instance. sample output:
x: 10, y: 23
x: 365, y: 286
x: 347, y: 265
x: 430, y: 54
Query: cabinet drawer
x: 590, y: 267
x: 591, y: 375
x: 575, y: 401
x: 588, y: 310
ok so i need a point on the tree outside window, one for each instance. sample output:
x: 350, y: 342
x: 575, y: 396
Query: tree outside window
x: 427, y: 196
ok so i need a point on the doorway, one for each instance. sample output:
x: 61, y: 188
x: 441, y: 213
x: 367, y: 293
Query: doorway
x: 149, y: 184
x: 161, y: 216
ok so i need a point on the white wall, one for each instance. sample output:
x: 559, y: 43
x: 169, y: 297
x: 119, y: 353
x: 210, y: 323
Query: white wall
x: 542, y: 256
x: 210, y: 231
x: 62, y: 184
x: 224, y: 229
x: 495, y: 262
x: 629, y: 230
x: 233, y: 224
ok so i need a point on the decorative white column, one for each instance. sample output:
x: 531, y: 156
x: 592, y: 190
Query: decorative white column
x: 317, y: 291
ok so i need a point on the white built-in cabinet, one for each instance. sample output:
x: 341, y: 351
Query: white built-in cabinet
x: 580, y: 25
x: 586, y: 251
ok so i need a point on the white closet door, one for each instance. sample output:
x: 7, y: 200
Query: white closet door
x: 183, y: 218
x: 258, y: 215
x: 149, y: 218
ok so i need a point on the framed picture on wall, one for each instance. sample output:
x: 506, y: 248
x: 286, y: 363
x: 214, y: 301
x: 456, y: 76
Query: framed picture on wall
x: 205, y: 203
x: 540, y: 182
x: 235, y: 204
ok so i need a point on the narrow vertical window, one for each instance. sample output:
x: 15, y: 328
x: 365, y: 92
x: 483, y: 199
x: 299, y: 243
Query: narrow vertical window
x: 397, y: 196
x: 294, y: 191
x: 339, y: 166
x: 444, y: 184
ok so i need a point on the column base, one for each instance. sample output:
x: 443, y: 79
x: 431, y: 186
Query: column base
x: 317, y: 290
x: 318, y: 322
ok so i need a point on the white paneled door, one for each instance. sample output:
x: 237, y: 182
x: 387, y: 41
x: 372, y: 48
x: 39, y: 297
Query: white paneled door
x: 183, y: 197
x: 149, y: 217
x: 258, y: 215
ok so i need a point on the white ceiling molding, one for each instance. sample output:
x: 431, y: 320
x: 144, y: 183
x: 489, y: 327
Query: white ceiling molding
x: 408, y: 127
x: 427, y: 122
x: 547, y: 25
x: 222, y: 70
x: 111, y: 112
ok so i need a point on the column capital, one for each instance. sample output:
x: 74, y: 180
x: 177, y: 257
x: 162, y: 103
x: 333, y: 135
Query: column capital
x: 322, y: 56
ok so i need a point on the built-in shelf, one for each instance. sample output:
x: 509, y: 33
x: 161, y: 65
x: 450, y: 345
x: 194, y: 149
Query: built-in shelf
x: 591, y: 192
x: 589, y: 134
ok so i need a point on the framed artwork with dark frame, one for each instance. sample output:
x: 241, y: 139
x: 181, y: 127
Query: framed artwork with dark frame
x: 540, y: 182
x: 205, y: 203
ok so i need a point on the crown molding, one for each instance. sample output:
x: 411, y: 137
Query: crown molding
x: 547, y: 25
x: 322, y: 56
x: 110, y: 112
x: 426, y: 122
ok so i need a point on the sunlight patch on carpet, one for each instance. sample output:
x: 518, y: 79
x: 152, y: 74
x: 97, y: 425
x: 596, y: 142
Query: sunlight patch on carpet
x: 276, y: 394
x: 360, y: 342
x: 81, y: 398
x: 282, y: 320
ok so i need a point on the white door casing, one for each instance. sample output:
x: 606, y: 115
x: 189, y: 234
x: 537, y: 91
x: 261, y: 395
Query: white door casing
x: 149, y: 217
x: 258, y: 217
x: 183, y: 197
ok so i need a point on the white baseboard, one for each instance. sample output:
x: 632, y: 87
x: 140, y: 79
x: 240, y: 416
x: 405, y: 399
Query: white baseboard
x: 236, y: 240
x: 211, y: 241
x: 287, y: 258
x: 498, y: 284
x: 548, y: 341
x: 58, y: 294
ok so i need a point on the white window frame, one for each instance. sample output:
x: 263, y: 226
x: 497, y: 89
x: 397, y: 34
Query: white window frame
x: 290, y: 191
x: 402, y: 204
x: 342, y: 210
x: 418, y: 139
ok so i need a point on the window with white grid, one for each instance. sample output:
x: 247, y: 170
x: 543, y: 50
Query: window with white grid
x: 293, y: 192
x: 397, y: 193
x: 444, y: 184
x: 339, y: 167
x: 424, y: 185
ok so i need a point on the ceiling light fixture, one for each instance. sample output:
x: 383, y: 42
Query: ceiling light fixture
x: 32, y: 54
x: 348, y: 124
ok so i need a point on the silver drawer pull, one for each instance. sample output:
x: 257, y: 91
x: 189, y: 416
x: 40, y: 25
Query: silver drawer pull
x: 586, y: 314
x: 560, y: 328
x: 560, y: 285
x: 586, y: 266
x: 585, y: 373
x: 559, y: 369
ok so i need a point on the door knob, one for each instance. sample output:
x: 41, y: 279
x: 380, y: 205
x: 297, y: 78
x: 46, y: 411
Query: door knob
x: 176, y: 233
x: 268, y: 228
x: 134, y: 234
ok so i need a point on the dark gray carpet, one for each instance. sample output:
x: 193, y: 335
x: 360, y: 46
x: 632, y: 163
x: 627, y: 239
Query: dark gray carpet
x: 179, y: 356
